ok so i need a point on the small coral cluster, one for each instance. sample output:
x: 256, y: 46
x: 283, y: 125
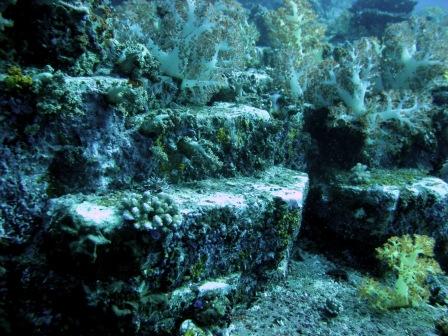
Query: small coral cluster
x: 151, y: 212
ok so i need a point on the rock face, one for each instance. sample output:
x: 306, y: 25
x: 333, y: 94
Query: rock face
x: 93, y: 245
x: 232, y: 236
x: 100, y: 133
x: 117, y: 135
x: 223, y: 228
x: 373, y: 16
x: 223, y: 139
x: 388, y: 203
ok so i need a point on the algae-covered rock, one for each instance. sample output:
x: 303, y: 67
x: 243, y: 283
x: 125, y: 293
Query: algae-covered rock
x: 108, y: 126
x: 223, y: 139
x: 136, y: 61
x: 148, y: 261
x: 56, y: 32
x: 205, y: 228
x: 65, y: 96
x: 189, y: 328
x: 388, y: 203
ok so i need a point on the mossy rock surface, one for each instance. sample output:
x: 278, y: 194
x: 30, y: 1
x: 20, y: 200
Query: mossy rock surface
x: 224, y: 139
x: 235, y: 235
x: 389, y: 202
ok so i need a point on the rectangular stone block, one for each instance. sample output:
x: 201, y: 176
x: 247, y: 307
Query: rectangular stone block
x: 194, y: 244
x: 220, y: 140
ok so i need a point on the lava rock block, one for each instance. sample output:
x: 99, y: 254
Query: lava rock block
x: 211, y: 244
x: 220, y: 140
x: 388, y: 203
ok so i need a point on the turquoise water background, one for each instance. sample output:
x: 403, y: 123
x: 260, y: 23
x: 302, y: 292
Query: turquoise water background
x: 426, y: 3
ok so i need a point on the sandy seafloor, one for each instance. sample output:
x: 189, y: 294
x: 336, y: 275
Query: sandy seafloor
x: 314, y: 288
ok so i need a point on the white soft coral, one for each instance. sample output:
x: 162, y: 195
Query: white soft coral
x: 400, y: 113
x: 352, y: 89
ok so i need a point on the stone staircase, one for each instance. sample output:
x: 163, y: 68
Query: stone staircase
x: 207, y: 218
x: 124, y: 142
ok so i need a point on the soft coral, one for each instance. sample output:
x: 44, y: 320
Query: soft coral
x: 410, y: 258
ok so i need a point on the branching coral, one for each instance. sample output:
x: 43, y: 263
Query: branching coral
x: 297, y: 37
x: 194, y: 40
x: 354, y: 76
x: 411, y: 260
x: 354, y: 99
x: 410, y: 64
x: 293, y: 26
x: 411, y: 59
x: 400, y: 113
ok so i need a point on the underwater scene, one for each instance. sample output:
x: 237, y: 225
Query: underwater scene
x: 224, y: 167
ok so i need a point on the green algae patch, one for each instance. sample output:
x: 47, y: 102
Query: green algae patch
x: 384, y: 177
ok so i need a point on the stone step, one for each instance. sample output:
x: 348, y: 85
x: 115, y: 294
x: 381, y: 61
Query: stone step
x: 385, y: 203
x: 112, y: 136
x: 155, y: 243
x: 219, y: 140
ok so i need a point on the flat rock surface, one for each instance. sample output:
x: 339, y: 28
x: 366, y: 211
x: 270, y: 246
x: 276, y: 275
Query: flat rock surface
x: 225, y: 239
x: 289, y: 185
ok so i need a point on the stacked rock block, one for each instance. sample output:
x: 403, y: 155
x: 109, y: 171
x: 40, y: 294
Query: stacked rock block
x: 151, y: 261
x: 119, y: 136
x: 223, y: 139
x: 153, y: 219
x: 368, y: 207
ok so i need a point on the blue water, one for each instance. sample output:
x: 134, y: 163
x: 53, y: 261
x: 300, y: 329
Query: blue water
x: 430, y: 3
x: 422, y: 4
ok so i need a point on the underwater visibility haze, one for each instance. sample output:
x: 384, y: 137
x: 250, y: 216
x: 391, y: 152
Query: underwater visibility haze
x: 223, y: 167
